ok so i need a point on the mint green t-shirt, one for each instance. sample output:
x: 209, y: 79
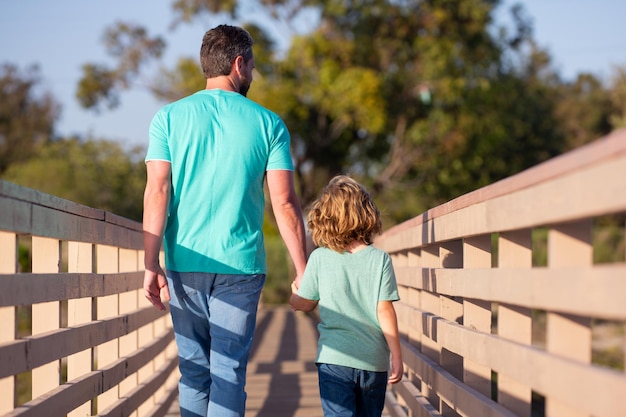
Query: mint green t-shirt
x: 349, y: 287
x: 220, y: 145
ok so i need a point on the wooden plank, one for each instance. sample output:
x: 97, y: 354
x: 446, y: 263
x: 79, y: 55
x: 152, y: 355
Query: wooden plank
x: 71, y: 395
x: 27, y: 289
x: 11, y: 191
x: 608, y: 148
x: 551, y: 375
x: 579, y: 194
x: 31, y: 212
x: 580, y: 291
x: 25, y: 218
x: 466, y: 401
x: 126, y: 405
x: 24, y: 354
x: 415, y: 401
x: 393, y: 408
x: 165, y: 402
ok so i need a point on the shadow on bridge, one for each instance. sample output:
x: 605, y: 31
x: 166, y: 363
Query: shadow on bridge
x: 282, y: 377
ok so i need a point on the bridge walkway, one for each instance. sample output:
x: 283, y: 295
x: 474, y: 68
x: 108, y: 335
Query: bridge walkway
x: 282, y: 377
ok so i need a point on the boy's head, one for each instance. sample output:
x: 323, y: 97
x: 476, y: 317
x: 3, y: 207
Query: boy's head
x: 342, y: 214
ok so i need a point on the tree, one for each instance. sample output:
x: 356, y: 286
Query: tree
x: 96, y: 173
x: 133, y: 48
x: 26, y: 118
x: 617, y: 97
x: 583, y: 110
x: 418, y: 97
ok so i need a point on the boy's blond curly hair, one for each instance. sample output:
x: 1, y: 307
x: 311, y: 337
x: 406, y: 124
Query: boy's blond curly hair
x: 342, y: 214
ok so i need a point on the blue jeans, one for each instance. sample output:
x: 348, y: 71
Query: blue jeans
x: 349, y: 392
x: 214, y: 316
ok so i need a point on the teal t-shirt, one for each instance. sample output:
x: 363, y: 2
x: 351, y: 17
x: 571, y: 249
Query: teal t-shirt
x: 349, y: 287
x: 219, y: 144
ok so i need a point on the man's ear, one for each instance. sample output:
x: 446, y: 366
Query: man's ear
x: 238, y: 65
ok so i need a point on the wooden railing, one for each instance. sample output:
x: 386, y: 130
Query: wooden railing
x: 514, y: 295
x: 76, y: 335
x: 508, y: 306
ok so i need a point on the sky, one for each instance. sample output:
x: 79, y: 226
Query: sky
x: 62, y: 35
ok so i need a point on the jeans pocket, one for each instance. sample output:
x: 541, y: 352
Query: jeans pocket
x: 183, y: 283
x: 245, y: 283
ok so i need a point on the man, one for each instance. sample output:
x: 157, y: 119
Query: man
x: 208, y: 157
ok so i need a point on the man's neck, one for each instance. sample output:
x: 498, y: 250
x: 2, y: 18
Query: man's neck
x: 223, y: 82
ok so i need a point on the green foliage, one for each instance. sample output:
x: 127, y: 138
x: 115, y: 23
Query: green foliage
x: 96, y: 173
x: 186, y: 10
x: 422, y: 100
x: 617, y: 97
x: 26, y: 118
x: 132, y: 48
x: 583, y: 111
x: 185, y: 79
x: 97, y: 86
x: 609, y: 239
x: 419, y: 98
x: 277, y: 288
x: 406, y: 93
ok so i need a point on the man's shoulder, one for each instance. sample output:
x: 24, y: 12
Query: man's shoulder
x: 183, y: 101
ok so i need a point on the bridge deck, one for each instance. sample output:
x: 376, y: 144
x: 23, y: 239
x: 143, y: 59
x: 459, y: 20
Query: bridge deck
x: 282, y: 377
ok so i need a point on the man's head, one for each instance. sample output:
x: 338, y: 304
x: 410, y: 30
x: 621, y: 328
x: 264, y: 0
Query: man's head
x: 223, y: 47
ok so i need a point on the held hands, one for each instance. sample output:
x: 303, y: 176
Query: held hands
x: 293, y: 301
x: 155, y: 285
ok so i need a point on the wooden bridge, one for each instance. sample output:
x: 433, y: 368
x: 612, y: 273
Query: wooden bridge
x: 512, y: 304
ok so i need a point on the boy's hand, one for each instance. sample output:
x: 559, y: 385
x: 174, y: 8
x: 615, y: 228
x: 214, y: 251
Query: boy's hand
x: 397, y: 369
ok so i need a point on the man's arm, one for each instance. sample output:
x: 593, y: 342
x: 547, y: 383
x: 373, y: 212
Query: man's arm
x: 155, y: 202
x: 288, y: 214
x: 389, y: 324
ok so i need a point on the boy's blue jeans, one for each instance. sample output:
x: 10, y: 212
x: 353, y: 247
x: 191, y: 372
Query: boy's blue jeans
x: 349, y: 392
x: 214, y: 316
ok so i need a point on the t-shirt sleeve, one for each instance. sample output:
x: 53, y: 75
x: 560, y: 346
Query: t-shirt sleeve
x: 309, y: 287
x: 389, y: 287
x: 280, y: 151
x: 158, y: 148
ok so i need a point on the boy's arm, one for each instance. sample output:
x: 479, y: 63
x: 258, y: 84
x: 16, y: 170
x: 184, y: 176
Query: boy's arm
x: 299, y: 303
x: 389, y: 324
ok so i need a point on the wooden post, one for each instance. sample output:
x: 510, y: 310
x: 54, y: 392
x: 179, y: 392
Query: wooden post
x: 79, y: 311
x: 514, y: 322
x: 569, y: 245
x: 8, y: 330
x: 429, y: 303
x: 128, y: 302
x: 46, y: 316
x: 107, y: 261
x: 477, y: 313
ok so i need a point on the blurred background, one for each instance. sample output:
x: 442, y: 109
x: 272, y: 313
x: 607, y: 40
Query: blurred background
x: 422, y: 101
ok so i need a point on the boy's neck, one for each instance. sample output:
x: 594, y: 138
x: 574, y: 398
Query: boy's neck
x: 355, y: 246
